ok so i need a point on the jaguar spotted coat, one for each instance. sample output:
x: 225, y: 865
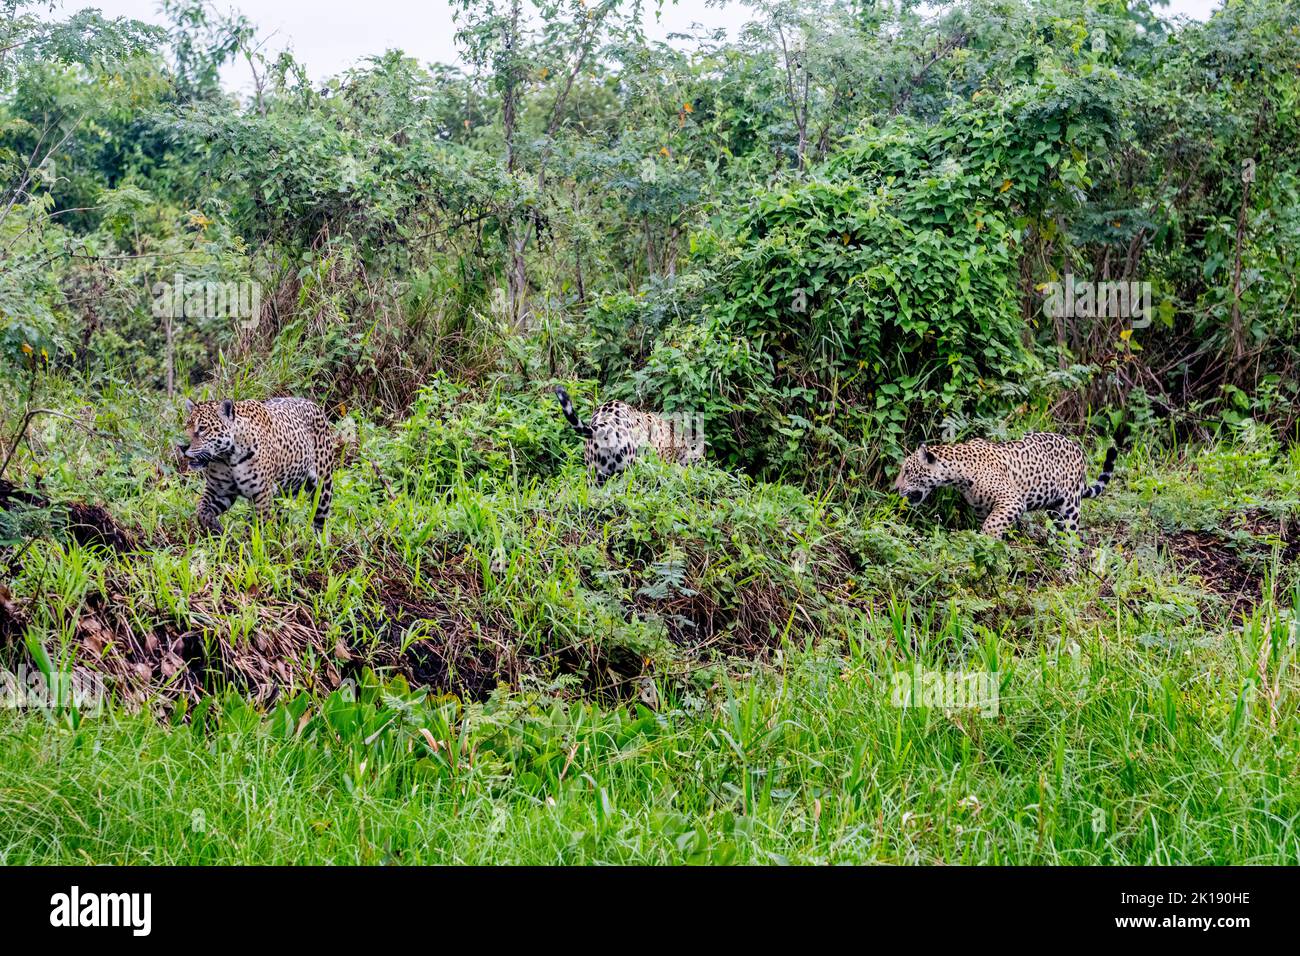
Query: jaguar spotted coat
x: 1003, y: 480
x: 258, y: 449
x: 617, y: 434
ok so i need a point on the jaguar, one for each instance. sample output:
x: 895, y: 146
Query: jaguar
x: 257, y: 450
x: 1002, y: 481
x: 617, y: 434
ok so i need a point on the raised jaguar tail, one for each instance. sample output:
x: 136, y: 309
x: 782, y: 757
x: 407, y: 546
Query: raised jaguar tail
x: 1108, y: 467
x: 567, y: 407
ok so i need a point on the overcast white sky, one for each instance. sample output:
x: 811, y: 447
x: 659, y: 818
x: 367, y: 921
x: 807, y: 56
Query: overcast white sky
x: 331, y: 35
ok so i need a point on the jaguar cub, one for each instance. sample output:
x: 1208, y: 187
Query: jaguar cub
x: 618, y: 433
x: 258, y: 449
x: 1003, y: 480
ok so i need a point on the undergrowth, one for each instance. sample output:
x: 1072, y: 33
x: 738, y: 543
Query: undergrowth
x: 488, y: 658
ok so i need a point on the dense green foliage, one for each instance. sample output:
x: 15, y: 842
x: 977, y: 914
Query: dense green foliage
x: 824, y: 260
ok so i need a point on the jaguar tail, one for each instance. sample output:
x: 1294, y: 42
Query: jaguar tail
x: 1108, y: 467
x: 567, y: 407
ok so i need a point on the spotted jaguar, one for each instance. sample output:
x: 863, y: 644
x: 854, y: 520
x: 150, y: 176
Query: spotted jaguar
x: 258, y: 449
x: 617, y: 434
x: 1002, y: 481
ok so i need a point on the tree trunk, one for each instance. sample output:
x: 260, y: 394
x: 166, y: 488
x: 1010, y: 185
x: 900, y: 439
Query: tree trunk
x: 171, y: 357
x: 517, y: 235
x: 1238, y: 330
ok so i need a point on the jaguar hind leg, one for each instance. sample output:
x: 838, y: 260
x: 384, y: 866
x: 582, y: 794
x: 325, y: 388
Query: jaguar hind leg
x: 1066, y: 515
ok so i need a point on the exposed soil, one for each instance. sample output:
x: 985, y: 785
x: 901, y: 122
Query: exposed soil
x: 285, y: 648
x: 431, y: 637
x: 1236, y: 577
x: 1286, y: 529
x: 746, y: 624
x: 85, y: 523
x: 698, y: 622
x: 1223, y: 572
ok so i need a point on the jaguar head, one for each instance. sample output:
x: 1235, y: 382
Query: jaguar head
x: 921, y: 472
x: 211, y: 430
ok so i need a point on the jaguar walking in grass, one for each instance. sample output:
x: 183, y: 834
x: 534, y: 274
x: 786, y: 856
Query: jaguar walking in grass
x: 258, y: 449
x: 617, y: 434
x: 1002, y: 481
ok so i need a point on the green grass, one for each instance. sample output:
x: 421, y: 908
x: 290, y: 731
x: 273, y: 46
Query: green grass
x: 688, y: 666
x: 1104, y: 750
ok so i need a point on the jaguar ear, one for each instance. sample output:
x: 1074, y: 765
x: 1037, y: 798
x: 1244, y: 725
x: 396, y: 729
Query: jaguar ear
x: 189, y: 408
x: 228, y: 409
x: 929, y: 456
